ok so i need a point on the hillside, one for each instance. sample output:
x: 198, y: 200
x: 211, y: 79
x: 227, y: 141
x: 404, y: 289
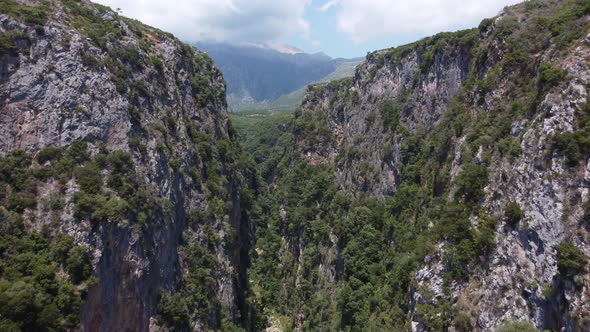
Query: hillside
x: 443, y: 187
x: 121, y: 188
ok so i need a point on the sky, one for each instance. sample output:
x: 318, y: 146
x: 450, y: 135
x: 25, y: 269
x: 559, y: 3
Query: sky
x: 339, y: 28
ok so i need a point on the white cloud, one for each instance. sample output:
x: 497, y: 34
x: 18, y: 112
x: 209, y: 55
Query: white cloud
x: 365, y: 19
x: 223, y: 20
x: 328, y: 5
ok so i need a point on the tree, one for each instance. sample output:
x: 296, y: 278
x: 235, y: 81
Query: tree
x: 513, y: 213
x: 570, y: 260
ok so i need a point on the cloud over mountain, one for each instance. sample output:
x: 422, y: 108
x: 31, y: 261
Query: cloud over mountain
x: 227, y: 20
x: 365, y: 19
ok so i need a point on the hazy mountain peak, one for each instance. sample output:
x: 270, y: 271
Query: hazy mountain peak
x: 281, y: 48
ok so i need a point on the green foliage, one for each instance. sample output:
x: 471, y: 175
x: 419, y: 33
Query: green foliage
x: 490, y: 80
x: 435, y: 318
x: 89, y: 60
x: 517, y: 327
x: 90, y: 22
x: 169, y: 121
x: 485, y: 24
x: 390, y: 113
x: 549, y: 75
x: 575, y: 146
x: 9, y: 42
x: 35, y: 16
x: 264, y: 138
x: 201, y: 89
x: 429, y: 48
x: 137, y: 144
x: 462, y: 321
x: 49, y: 153
x: 513, y: 214
x: 89, y: 178
x: 175, y: 163
x: 471, y: 181
x: 571, y: 261
x: 312, y: 128
x: 158, y: 64
x: 78, y: 152
x: 196, y: 293
x: 173, y: 311
x: 33, y: 296
x: 217, y: 206
x: 548, y: 292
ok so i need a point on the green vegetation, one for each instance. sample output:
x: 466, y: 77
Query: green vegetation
x: 517, y: 327
x: 381, y: 240
x: 427, y: 49
x: 263, y: 137
x: 196, y: 294
x: 35, y: 15
x: 341, y: 258
x: 390, y: 115
x: 471, y: 181
x: 549, y: 75
x: 513, y: 214
x: 8, y: 42
x: 35, y: 294
x: 44, y: 277
x: 575, y: 146
x: 570, y: 260
x: 90, y: 21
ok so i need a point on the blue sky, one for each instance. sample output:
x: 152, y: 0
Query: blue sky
x: 339, y: 28
x: 324, y: 36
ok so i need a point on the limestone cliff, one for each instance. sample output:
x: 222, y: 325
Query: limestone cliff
x: 77, y: 73
x: 477, y: 126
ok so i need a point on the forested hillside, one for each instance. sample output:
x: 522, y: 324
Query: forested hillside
x: 444, y: 186
x: 121, y: 184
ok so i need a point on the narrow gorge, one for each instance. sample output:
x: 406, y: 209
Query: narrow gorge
x: 444, y: 187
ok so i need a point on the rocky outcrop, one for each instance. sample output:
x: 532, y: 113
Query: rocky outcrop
x: 365, y: 126
x: 551, y: 195
x: 354, y: 111
x: 84, y: 73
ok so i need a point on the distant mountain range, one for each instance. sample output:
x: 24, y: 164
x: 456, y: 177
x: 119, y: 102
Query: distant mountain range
x: 271, y: 75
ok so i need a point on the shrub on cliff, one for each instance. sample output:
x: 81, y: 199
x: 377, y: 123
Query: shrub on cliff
x: 513, y: 213
x: 517, y: 327
x: 471, y: 181
x: 570, y: 260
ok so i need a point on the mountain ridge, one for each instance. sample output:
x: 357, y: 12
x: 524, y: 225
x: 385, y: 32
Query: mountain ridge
x: 257, y: 76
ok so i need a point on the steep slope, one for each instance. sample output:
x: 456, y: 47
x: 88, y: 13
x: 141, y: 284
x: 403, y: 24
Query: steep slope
x: 444, y: 186
x: 115, y: 142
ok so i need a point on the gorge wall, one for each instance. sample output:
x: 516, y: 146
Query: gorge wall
x: 128, y: 127
x: 454, y: 185
x: 444, y: 187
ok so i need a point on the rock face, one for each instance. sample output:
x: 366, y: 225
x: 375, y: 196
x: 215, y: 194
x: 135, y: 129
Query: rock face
x: 354, y: 110
x: 365, y: 126
x: 86, y: 74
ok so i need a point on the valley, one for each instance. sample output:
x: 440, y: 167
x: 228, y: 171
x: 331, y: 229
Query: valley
x: 441, y: 185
